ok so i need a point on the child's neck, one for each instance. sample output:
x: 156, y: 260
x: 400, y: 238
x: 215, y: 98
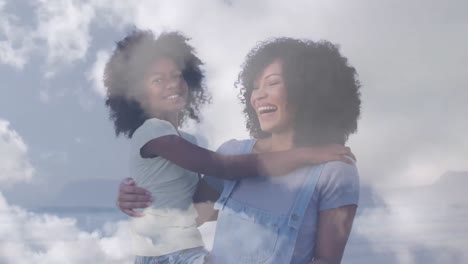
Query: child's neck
x: 172, y: 118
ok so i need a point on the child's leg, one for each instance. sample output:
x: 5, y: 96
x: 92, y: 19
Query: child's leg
x: 198, y: 255
x: 165, y: 259
x: 144, y: 260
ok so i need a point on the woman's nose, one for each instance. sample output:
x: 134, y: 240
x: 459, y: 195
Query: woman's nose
x: 257, y: 96
x: 259, y: 93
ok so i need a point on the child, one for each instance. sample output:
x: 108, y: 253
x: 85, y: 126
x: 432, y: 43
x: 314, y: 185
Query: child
x: 154, y: 85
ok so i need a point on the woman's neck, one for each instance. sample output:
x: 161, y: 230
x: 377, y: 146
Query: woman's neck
x: 282, y: 141
x: 276, y: 142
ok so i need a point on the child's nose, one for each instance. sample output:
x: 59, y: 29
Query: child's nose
x: 172, y: 83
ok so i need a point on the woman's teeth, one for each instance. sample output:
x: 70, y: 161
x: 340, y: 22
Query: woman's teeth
x: 266, y: 109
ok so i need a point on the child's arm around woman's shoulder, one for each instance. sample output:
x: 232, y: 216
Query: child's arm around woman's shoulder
x: 159, y: 138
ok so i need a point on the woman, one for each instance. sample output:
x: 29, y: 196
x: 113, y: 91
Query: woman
x: 296, y: 93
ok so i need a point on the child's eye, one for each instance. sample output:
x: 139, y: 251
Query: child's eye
x: 274, y: 83
x: 157, y: 80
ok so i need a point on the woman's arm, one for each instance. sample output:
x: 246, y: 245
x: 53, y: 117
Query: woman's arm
x: 337, y: 197
x: 334, y: 227
x: 200, y: 160
x: 131, y: 197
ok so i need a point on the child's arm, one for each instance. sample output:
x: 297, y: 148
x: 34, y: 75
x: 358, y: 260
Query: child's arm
x: 197, y: 159
x: 205, y: 192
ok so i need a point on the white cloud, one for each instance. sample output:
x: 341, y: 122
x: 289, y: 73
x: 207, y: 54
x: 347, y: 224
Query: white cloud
x: 95, y: 75
x: 15, y: 48
x: 14, y: 163
x: 404, y: 235
x: 61, y: 34
x: 408, y: 235
x: 116, y: 14
x: 27, y: 237
x: 64, y: 26
x: 10, y: 56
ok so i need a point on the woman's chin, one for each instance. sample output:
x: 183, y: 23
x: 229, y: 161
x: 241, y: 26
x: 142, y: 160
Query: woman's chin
x: 267, y: 129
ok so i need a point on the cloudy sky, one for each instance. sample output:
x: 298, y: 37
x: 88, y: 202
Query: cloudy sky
x: 54, y: 129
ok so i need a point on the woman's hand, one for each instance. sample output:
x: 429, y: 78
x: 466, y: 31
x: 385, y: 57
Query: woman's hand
x: 331, y: 152
x: 131, y: 197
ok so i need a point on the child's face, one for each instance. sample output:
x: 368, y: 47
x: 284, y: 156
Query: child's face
x: 165, y: 90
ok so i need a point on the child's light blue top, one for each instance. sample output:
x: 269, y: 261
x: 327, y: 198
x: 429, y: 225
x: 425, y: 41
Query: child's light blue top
x: 169, y: 224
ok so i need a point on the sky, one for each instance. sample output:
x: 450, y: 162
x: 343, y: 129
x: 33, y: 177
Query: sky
x: 55, y: 132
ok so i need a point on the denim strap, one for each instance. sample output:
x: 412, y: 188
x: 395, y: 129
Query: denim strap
x: 245, y: 148
x: 303, y: 198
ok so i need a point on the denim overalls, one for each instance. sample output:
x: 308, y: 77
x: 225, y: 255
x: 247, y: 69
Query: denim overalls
x: 248, y: 235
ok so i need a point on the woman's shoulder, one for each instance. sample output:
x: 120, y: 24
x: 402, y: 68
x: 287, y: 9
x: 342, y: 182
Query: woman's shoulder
x: 338, y: 185
x: 338, y: 172
x: 235, y: 146
x: 339, y: 167
x: 338, y: 177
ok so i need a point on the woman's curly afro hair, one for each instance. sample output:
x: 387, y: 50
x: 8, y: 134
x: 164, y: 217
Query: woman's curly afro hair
x: 125, y: 70
x: 320, y: 83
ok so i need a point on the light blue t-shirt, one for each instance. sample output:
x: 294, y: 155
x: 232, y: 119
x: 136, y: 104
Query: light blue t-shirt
x: 168, y: 225
x: 338, y: 185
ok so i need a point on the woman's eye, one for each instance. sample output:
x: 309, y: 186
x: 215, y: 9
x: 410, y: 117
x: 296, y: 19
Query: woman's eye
x: 274, y: 83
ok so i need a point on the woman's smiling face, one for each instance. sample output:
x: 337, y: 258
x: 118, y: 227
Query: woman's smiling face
x: 270, y: 100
